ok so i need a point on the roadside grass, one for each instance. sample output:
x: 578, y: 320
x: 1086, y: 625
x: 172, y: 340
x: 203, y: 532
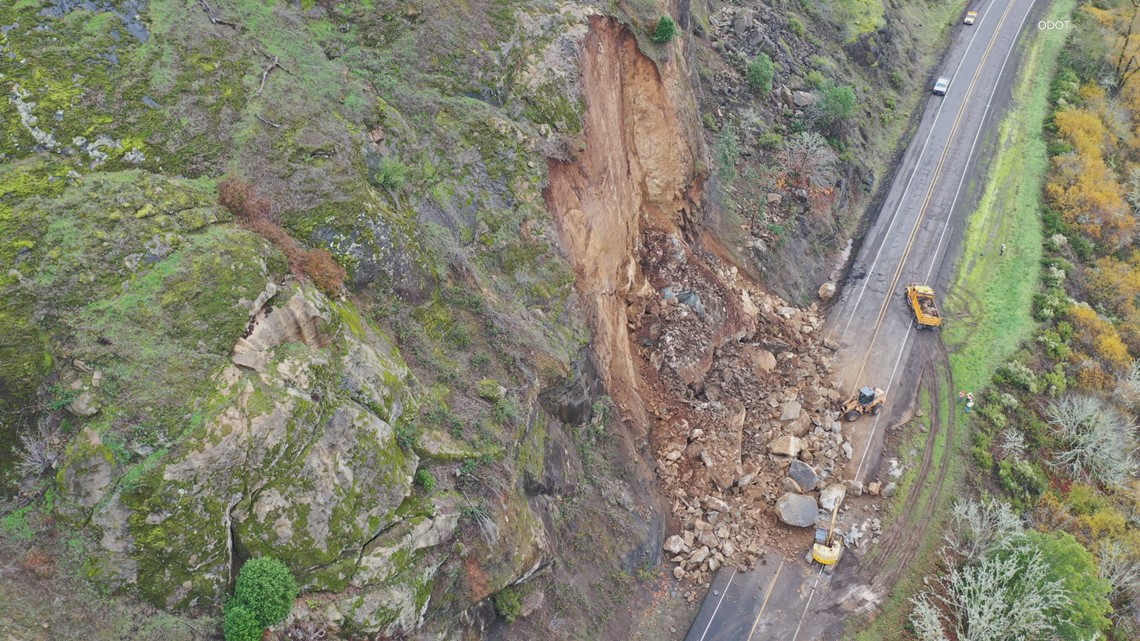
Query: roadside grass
x: 988, y: 309
x: 989, y: 305
x: 891, y: 622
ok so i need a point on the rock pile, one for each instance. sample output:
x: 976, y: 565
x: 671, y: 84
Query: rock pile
x: 746, y: 428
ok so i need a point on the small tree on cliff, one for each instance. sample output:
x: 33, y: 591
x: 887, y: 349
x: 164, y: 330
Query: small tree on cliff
x: 263, y: 595
x: 665, y: 30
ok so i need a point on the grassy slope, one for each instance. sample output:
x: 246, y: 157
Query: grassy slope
x: 991, y: 297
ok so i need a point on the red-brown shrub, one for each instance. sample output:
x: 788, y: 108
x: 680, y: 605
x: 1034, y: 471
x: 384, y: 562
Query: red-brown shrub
x: 324, y: 270
x: 243, y: 201
x: 254, y: 212
x: 39, y: 562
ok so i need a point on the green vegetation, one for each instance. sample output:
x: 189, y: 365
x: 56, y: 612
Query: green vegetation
x: 265, y: 590
x: 1071, y: 564
x: 760, y: 73
x: 665, y: 30
x: 836, y: 104
x: 241, y: 625
x: 426, y: 480
x: 392, y: 174
x: 988, y: 308
x: 795, y: 26
x: 508, y: 604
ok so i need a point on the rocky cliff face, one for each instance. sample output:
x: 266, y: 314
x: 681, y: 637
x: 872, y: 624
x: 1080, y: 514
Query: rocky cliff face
x: 524, y: 196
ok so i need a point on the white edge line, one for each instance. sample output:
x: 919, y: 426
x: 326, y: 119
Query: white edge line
x: 712, y: 616
x: 902, y: 196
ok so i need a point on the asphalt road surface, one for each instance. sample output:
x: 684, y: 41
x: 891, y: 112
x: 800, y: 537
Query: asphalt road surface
x: 786, y: 599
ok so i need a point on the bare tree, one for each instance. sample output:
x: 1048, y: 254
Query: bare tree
x: 1004, y: 596
x: 1122, y: 569
x: 809, y: 162
x: 1126, y: 62
x: 1101, y: 440
x: 41, y: 448
x: 1013, y: 443
x: 980, y: 527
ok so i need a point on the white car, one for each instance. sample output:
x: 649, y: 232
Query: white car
x: 941, y: 86
x: 971, y: 16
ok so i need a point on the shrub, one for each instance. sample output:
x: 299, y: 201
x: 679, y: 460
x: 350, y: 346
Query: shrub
x: 240, y: 625
x: 508, y: 604
x: 770, y: 140
x: 836, y: 104
x: 815, y: 79
x: 266, y: 589
x: 243, y: 201
x: 391, y: 174
x: 1100, y: 441
x: 254, y: 212
x: 506, y: 411
x: 426, y: 480
x: 760, y: 73
x: 795, y: 26
x: 325, y: 272
x: 665, y: 30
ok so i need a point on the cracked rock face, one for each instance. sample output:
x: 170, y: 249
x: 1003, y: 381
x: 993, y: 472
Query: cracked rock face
x: 296, y: 457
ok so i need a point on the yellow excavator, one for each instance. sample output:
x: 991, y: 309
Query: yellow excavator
x: 828, y: 547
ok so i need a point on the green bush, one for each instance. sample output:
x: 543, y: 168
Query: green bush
x: 760, y: 73
x: 425, y: 479
x: 391, y: 174
x: 506, y: 411
x: 508, y: 604
x: 836, y: 104
x: 266, y: 589
x: 770, y: 140
x: 240, y: 625
x: 795, y: 26
x: 665, y: 30
x: 815, y: 79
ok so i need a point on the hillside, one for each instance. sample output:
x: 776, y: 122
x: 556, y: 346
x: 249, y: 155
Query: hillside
x: 420, y: 298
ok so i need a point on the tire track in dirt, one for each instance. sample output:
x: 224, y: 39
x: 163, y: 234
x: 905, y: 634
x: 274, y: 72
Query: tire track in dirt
x: 906, y: 535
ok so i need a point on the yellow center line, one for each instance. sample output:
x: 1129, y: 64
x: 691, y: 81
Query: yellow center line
x: 767, y: 595
x: 929, y: 194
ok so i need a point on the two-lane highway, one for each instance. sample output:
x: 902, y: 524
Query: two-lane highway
x: 786, y: 599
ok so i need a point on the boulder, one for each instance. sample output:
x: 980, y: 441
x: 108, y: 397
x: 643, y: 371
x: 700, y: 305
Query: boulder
x: 847, y: 450
x: 826, y: 291
x: 804, y: 475
x: 83, y: 404
x: 774, y: 198
x: 788, y: 446
x: 716, y: 505
x: 803, y: 98
x: 763, y: 360
x: 889, y: 489
x: 798, y: 510
x: 674, y: 544
x: 832, y: 495
x: 790, y: 411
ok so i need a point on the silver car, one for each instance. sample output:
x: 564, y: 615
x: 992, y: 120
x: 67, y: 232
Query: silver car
x: 941, y: 86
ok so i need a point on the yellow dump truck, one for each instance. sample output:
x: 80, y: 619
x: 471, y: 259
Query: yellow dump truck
x: 921, y: 301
